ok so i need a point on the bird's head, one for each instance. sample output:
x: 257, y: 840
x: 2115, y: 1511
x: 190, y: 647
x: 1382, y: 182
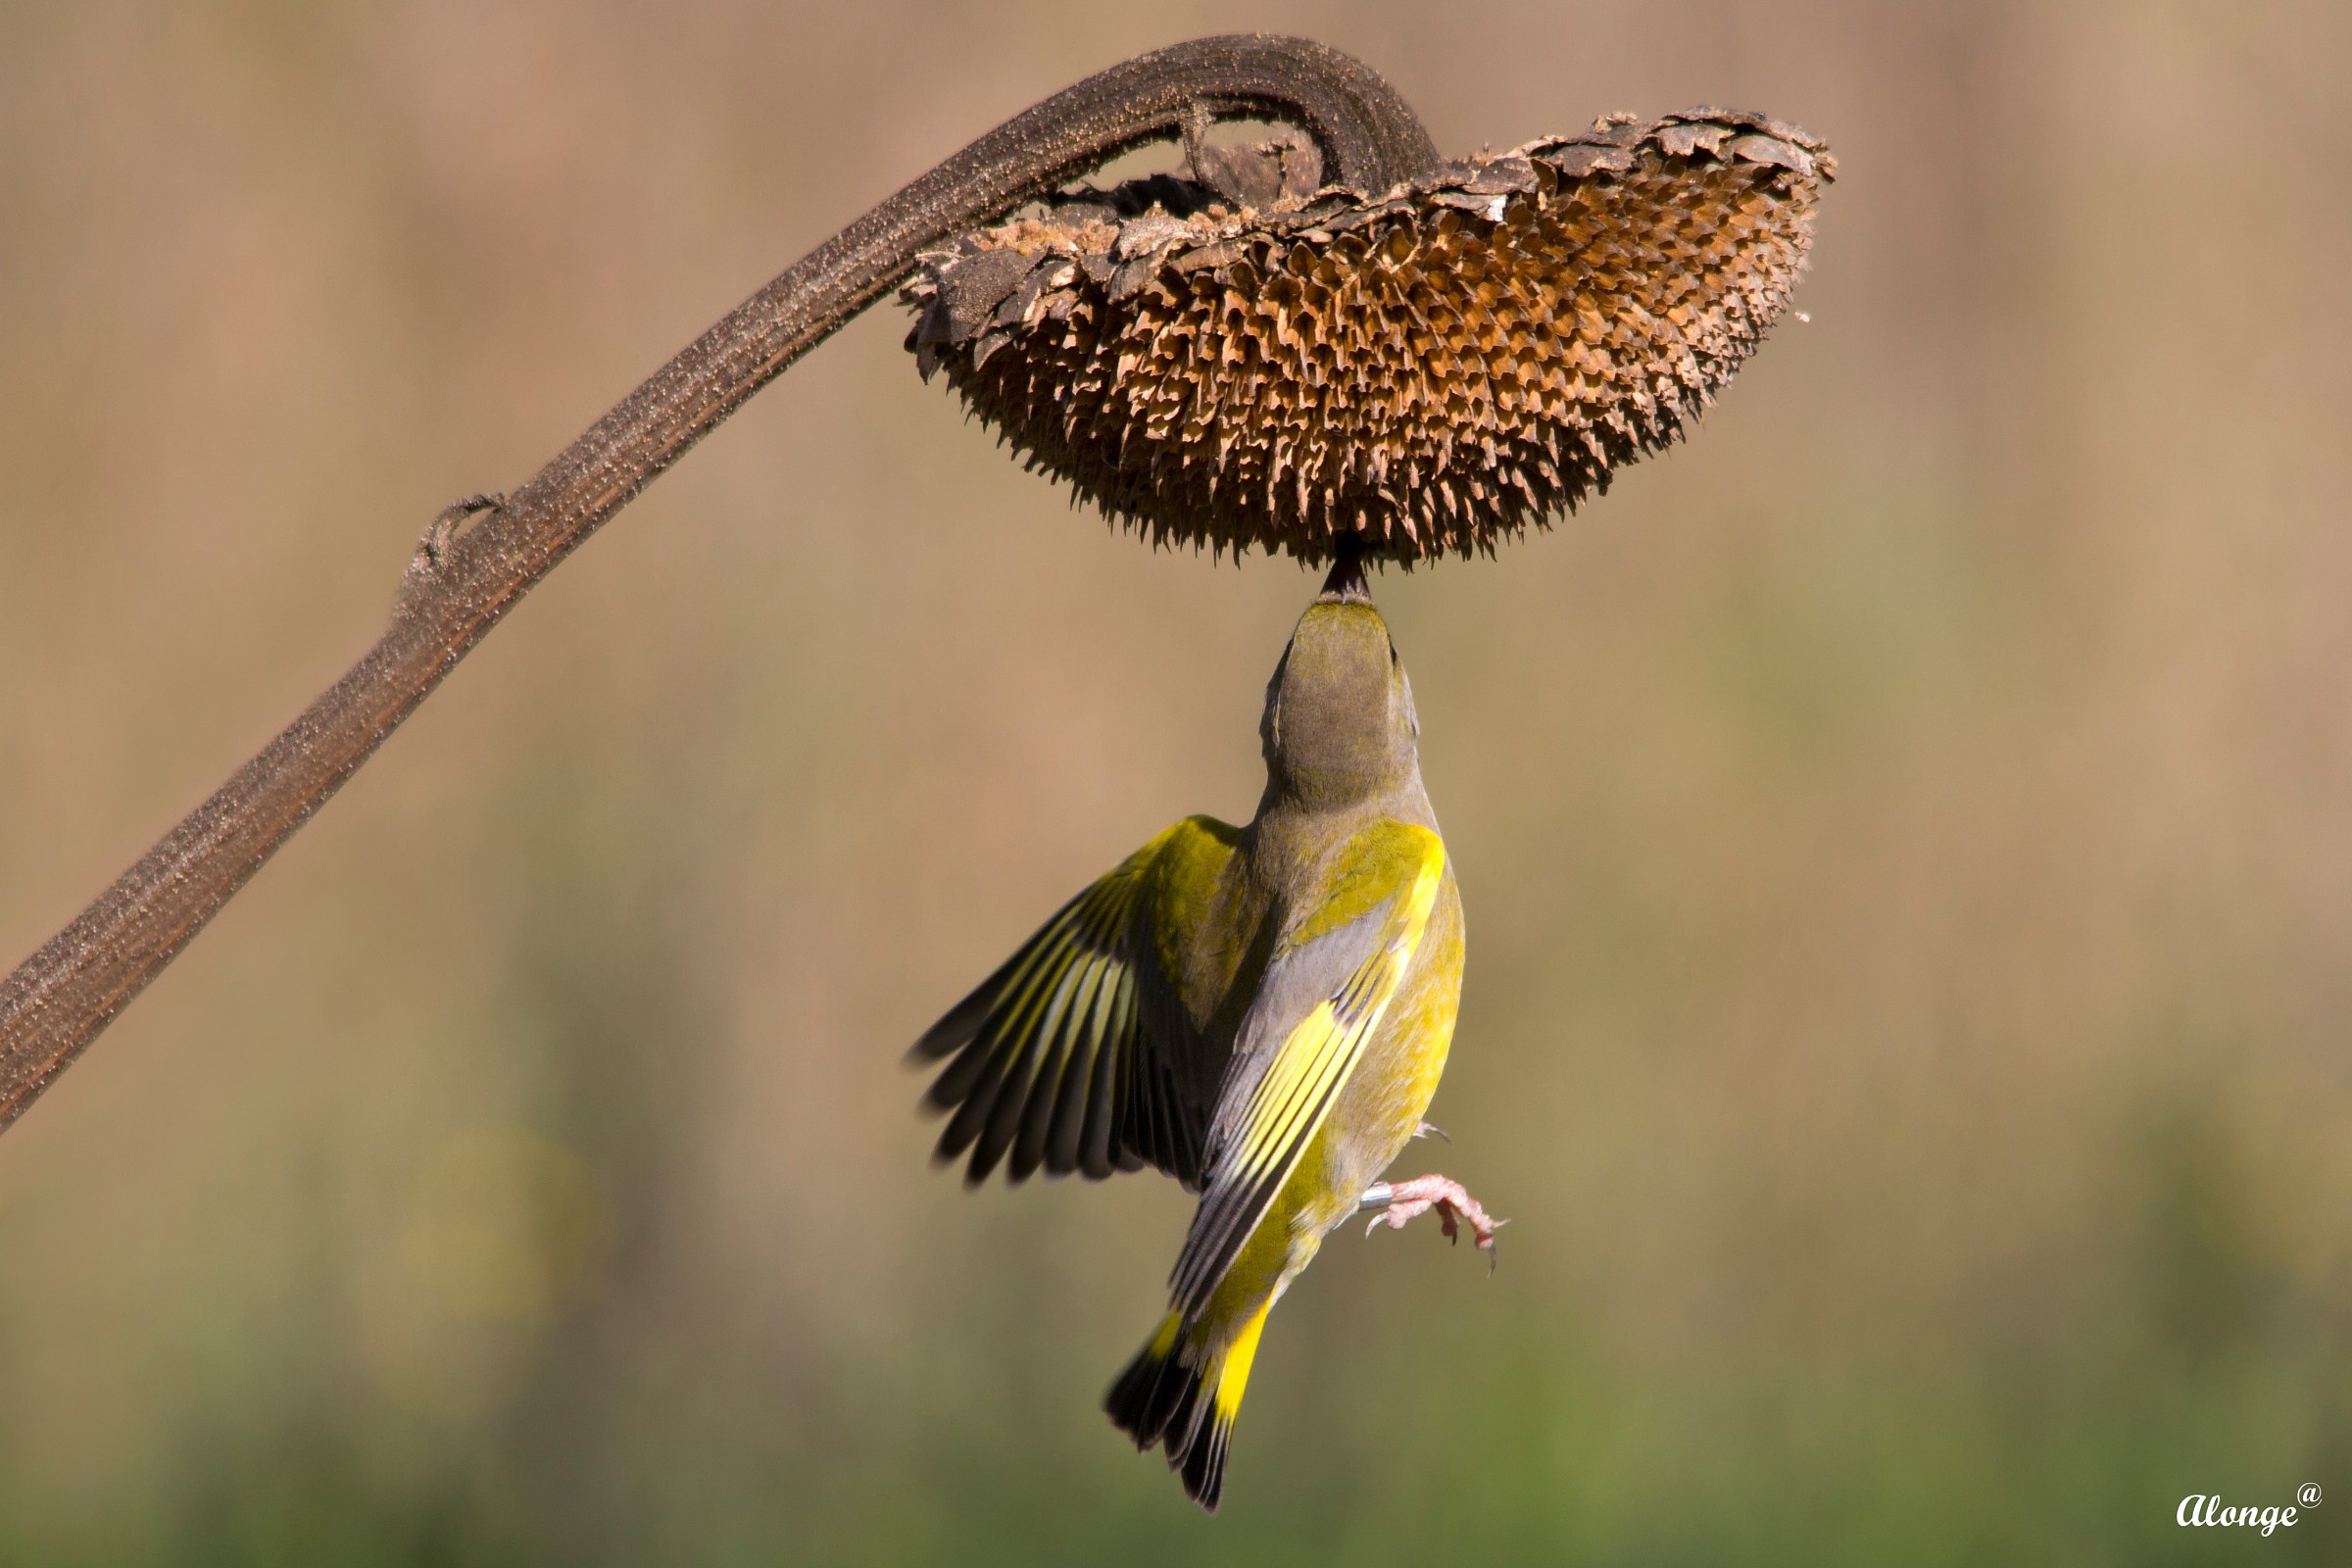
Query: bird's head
x: 1338, y: 725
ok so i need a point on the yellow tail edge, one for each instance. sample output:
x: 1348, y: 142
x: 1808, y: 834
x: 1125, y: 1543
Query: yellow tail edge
x: 1158, y: 1399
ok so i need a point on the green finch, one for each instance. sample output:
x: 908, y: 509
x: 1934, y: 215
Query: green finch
x: 1262, y: 1013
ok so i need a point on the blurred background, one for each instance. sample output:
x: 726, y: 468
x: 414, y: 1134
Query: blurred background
x: 1906, y: 833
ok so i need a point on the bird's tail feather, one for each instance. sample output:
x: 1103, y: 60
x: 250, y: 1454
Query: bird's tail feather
x: 1183, y: 1392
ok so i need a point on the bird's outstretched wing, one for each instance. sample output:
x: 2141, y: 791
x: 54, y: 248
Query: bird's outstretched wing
x: 1076, y: 1055
x: 1324, y: 992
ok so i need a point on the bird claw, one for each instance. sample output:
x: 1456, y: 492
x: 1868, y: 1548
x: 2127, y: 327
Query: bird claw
x: 1403, y: 1202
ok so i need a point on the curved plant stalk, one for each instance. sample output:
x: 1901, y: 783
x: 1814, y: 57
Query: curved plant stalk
x: 483, y: 555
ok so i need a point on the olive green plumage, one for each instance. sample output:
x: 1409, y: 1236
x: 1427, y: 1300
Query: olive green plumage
x: 1262, y: 1013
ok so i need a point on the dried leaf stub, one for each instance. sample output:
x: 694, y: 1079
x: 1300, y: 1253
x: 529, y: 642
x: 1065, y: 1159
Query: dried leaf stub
x: 1429, y: 371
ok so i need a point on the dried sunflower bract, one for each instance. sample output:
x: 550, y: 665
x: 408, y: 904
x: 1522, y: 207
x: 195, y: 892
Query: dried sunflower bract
x: 1241, y: 355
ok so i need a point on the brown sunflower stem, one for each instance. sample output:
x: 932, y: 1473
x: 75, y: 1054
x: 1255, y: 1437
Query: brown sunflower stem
x: 483, y: 554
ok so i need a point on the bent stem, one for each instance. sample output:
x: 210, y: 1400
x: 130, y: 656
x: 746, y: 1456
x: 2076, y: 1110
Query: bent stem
x: 485, y: 553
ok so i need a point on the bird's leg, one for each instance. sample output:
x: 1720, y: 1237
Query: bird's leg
x: 1398, y: 1201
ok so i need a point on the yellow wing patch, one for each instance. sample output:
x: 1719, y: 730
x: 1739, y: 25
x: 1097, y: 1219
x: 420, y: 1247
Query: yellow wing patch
x: 1055, y: 1064
x: 1287, y: 1105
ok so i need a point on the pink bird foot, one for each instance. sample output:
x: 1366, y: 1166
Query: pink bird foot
x: 1400, y: 1202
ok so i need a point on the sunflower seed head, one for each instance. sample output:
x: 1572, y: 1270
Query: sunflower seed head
x: 1427, y: 370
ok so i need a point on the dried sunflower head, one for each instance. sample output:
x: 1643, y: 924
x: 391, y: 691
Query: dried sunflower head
x: 1242, y: 355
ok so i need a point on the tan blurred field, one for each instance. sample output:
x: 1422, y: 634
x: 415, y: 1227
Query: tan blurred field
x: 1906, y: 833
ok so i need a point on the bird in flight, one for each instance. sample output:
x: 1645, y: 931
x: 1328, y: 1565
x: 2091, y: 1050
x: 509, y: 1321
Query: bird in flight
x: 1262, y: 1013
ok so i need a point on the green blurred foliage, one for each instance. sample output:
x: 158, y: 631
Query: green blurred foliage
x: 1903, y: 832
